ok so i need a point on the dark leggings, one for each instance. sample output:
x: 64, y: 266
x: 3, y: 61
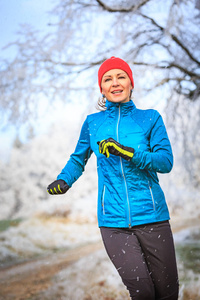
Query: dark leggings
x: 144, y: 257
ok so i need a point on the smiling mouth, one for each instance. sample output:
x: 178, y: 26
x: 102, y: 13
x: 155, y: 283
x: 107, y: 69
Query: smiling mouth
x: 117, y: 92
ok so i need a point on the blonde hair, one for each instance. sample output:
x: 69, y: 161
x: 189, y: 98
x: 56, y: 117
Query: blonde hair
x: 101, y: 103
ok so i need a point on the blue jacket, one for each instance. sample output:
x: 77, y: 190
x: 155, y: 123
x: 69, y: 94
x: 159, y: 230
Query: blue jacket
x: 129, y: 193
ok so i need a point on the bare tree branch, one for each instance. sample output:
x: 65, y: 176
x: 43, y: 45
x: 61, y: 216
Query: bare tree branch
x: 132, y: 8
x: 167, y: 65
x: 174, y: 38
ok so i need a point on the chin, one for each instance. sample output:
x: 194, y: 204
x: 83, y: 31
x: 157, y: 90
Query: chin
x: 118, y: 100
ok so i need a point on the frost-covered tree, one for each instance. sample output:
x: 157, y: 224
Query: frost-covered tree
x: 34, y: 165
x: 159, y: 39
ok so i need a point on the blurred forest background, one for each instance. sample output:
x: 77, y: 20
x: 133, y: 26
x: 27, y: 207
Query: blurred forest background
x: 49, y: 85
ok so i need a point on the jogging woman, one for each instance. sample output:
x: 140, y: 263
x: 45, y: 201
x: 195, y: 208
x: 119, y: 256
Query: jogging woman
x: 131, y: 146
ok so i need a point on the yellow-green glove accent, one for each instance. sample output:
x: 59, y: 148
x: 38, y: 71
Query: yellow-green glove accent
x: 110, y: 146
x: 58, y: 187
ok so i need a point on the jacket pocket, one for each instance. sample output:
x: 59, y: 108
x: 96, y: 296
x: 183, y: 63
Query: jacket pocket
x: 152, y: 197
x: 102, y: 199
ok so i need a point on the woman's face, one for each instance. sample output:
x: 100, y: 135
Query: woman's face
x: 116, y: 86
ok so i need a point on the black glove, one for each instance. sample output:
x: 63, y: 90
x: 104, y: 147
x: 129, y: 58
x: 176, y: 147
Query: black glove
x: 110, y: 146
x: 57, y: 187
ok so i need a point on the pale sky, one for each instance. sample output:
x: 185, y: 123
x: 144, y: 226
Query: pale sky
x: 16, y: 12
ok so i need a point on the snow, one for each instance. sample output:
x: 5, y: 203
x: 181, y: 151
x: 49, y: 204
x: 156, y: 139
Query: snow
x: 98, y: 281
x: 35, y: 165
x: 40, y: 235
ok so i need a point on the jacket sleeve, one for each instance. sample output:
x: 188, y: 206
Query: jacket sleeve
x: 76, y: 164
x: 160, y: 157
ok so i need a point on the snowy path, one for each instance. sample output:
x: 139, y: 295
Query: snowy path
x: 29, y: 279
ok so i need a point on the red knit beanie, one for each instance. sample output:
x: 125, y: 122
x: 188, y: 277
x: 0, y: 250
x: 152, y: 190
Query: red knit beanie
x: 114, y: 63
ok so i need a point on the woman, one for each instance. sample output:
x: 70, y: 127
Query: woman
x: 131, y: 146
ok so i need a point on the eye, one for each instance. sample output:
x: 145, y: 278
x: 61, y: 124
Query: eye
x: 107, y: 79
x: 122, y: 77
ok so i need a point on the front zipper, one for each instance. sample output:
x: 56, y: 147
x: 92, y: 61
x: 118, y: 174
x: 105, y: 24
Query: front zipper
x: 122, y: 170
x: 152, y: 197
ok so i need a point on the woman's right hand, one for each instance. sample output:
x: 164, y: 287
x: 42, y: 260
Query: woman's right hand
x: 58, y: 187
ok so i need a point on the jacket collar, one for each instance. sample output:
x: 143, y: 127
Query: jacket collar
x: 127, y: 106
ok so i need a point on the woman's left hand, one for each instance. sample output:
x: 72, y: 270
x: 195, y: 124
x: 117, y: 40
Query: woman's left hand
x: 110, y: 146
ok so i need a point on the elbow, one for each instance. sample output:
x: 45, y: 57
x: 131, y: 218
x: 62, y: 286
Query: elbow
x: 166, y: 166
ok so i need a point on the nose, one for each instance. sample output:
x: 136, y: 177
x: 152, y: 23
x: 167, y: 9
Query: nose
x: 115, y: 81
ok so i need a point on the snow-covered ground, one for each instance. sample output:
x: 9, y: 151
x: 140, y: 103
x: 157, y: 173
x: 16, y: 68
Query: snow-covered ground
x: 59, y: 225
x: 91, y: 278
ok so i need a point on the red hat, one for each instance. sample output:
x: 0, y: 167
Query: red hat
x: 114, y: 63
